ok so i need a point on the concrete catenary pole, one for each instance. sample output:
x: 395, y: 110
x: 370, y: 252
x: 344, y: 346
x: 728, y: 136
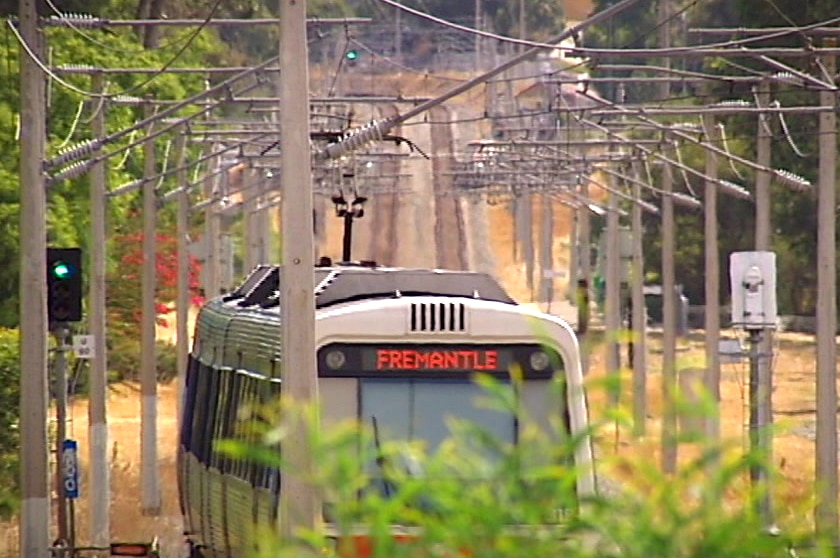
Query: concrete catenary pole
x: 546, y: 248
x: 669, y: 325
x: 299, y: 506
x: 212, y: 231
x: 826, y: 453
x: 100, y: 491
x: 35, y: 503
x: 574, y: 274
x: 612, y: 302
x: 585, y: 263
x: 150, y: 489
x: 639, y: 320
x: 182, y: 302
x: 712, y: 281
x: 669, y: 302
x: 250, y: 219
x: 761, y: 417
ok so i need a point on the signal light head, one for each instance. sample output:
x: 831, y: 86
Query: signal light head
x: 61, y: 270
x: 352, y: 55
x: 64, y: 285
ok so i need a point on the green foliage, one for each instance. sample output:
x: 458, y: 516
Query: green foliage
x: 478, y: 496
x: 68, y: 206
x: 9, y: 421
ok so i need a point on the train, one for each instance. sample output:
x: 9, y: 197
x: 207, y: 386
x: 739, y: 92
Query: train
x: 399, y: 344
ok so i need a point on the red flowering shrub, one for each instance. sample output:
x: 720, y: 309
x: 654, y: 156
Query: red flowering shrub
x: 125, y: 279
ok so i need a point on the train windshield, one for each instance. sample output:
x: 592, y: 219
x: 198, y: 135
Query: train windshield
x: 424, y: 398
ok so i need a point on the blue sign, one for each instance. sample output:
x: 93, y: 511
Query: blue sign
x: 70, y: 468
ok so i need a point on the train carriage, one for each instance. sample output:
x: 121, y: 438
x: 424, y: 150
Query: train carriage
x: 396, y: 345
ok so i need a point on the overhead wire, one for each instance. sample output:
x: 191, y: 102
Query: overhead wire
x: 134, y: 88
x: 524, y: 42
x: 68, y: 22
x: 73, y: 124
x: 788, y: 137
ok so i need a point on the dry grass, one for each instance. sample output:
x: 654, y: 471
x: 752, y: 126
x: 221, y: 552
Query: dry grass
x: 793, y: 409
x: 127, y: 521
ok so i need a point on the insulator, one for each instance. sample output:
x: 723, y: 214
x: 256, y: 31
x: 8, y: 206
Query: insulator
x: 738, y: 103
x: 127, y: 99
x: 76, y: 67
x: 734, y: 189
x: 126, y: 188
x: 81, y: 21
x: 355, y: 139
x: 686, y: 200
x: 71, y: 154
x: 794, y: 180
x: 71, y: 171
x: 649, y: 207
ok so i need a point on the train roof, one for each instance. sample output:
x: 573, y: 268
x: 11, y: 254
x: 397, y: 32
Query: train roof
x: 341, y: 283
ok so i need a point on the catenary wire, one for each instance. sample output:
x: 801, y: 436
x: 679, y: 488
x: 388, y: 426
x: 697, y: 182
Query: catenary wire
x: 67, y: 85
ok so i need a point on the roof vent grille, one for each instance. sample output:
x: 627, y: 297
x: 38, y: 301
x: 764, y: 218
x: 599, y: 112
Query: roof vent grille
x: 435, y: 317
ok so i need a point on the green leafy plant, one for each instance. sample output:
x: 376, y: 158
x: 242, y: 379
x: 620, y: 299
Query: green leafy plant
x: 479, y: 496
x: 9, y: 421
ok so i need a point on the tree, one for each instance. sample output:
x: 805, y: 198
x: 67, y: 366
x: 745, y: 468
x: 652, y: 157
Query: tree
x: 124, y: 278
x: 9, y: 421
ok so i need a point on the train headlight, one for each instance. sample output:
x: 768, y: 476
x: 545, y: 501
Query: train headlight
x: 335, y: 360
x: 539, y: 361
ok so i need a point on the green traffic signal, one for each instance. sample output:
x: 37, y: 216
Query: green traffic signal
x: 61, y: 270
x: 352, y: 55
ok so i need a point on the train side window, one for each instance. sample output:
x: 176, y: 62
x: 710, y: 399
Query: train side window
x: 264, y: 475
x: 212, y: 412
x: 199, y: 432
x: 252, y: 428
x: 229, y: 417
x: 243, y: 420
x: 190, y: 390
x: 222, y: 401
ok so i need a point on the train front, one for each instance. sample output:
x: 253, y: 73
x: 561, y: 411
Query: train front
x: 408, y: 362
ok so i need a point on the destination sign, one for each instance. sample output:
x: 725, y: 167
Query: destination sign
x: 435, y: 360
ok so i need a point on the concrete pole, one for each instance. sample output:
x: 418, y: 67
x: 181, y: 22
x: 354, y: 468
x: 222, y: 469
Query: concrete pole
x: 639, y: 322
x: 150, y: 488
x: 526, y: 216
x: 265, y: 228
x: 100, y: 491
x: 182, y: 303
x: 612, y: 306
x: 546, y: 248
x: 669, y: 299
x: 669, y: 326
x: 299, y: 505
x: 712, y: 282
x: 826, y: 454
x: 761, y: 379
x: 478, y: 25
x: 398, y: 34
x: 585, y: 263
x: 251, y: 219
x: 34, y: 460
x: 763, y: 235
x: 212, y: 231
x: 574, y: 273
